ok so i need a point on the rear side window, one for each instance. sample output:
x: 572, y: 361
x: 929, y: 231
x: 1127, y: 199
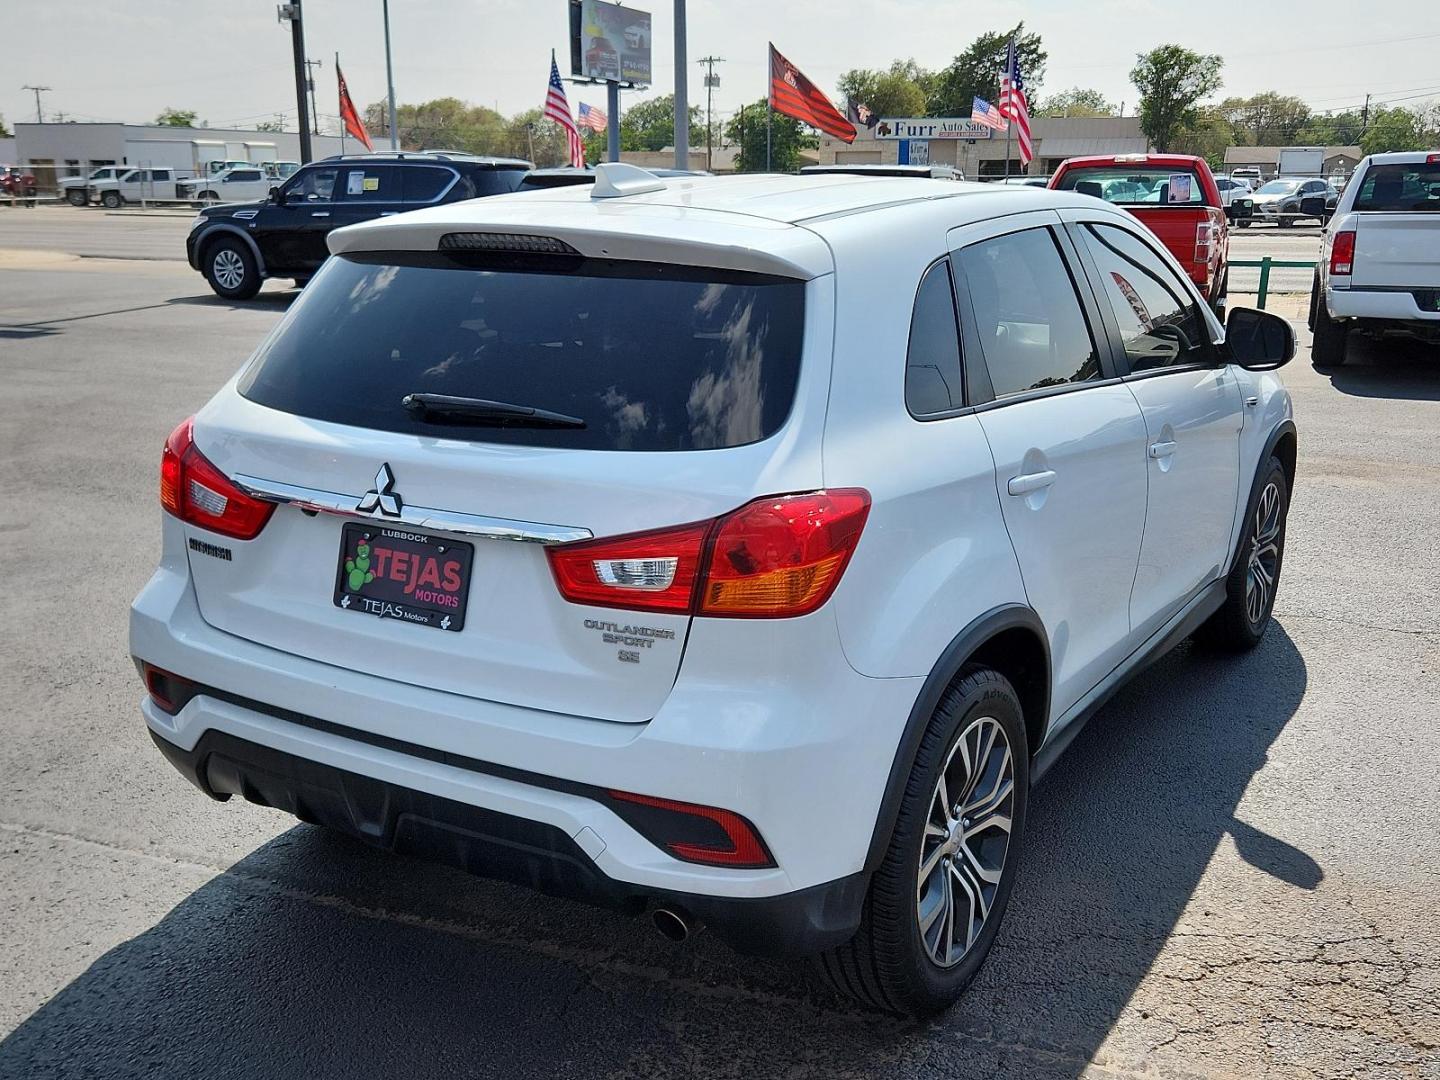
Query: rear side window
x: 1028, y: 319
x: 423, y: 183
x: 475, y: 183
x: 244, y: 174
x: 369, y: 183
x: 932, y: 362
x: 650, y: 356
x: 1159, y: 323
x: 1400, y: 188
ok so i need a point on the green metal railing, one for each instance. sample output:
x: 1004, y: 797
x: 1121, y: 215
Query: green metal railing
x: 1264, y: 265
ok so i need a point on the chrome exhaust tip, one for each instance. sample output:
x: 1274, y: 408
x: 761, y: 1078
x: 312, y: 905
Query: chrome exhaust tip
x: 674, y: 925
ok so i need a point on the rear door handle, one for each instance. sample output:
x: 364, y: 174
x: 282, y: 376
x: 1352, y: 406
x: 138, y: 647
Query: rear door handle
x: 320, y: 213
x: 1162, y: 449
x: 1028, y: 482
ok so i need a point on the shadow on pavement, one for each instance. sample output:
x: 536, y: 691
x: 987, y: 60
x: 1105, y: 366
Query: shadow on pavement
x: 1389, y: 369
x: 317, y: 957
x: 268, y: 299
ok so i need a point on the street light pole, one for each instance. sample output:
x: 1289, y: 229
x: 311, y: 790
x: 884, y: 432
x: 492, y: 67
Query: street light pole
x: 291, y: 13
x: 389, y: 76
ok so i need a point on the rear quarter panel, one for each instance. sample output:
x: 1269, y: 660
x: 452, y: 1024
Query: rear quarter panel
x: 935, y: 553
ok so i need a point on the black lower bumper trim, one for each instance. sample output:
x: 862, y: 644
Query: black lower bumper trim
x: 502, y: 846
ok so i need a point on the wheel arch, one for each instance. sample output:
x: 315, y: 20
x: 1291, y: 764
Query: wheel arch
x: 1009, y: 638
x: 215, y: 232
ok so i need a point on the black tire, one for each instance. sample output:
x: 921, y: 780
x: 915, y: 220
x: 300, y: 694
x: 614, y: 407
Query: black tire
x: 75, y: 197
x: 1285, y: 222
x: 231, y: 269
x: 1244, y: 223
x: 111, y: 200
x: 1240, y: 623
x: 1221, y: 297
x: 887, y: 965
x: 1330, y: 336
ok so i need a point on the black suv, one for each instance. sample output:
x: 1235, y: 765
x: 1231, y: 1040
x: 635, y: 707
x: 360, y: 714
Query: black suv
x: 238, y: 246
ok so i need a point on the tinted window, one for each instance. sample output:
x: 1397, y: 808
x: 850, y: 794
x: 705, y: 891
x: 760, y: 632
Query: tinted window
x: 423, y: 183
x: 1400, y: 187
x: 652, y: 357
x: 478, y: 182
x: 243, y: 174
x: 932, y: 362
x: 160, y: 174
x: 1027, y: 316
x: 1128, y: 185
x: 312, y: 185
x: 1159, y: 322
x: 369, y: 183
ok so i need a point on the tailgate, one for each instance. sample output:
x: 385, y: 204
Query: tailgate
x: 680, y: 384
x: 1396, y: 250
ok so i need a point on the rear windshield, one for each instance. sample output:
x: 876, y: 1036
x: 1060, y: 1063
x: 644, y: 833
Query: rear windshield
x: 1400, y: 187
x: 1131, y: 185
x: 651, y: 357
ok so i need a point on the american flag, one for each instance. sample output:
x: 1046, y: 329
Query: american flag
x: 557, y: 108
x: 982, y: 112
x: 1013, y: 105
x: 593, y: 117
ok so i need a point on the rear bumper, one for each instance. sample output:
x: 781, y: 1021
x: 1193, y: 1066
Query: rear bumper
x: 1385, y: 305
x: 507, y: 847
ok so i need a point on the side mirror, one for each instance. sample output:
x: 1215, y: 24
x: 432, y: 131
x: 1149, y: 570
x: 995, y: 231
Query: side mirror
x: 1312, y: 205
x: 1258, y: 340
x: 277, y: 196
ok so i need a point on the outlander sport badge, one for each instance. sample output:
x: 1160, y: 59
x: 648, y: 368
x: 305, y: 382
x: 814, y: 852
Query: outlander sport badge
x: 381, y: 498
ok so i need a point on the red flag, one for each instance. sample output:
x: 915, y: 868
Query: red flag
x: 794, y: 95
x: 348, y: 115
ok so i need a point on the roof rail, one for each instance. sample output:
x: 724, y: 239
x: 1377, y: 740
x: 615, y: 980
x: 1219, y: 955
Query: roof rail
x: 615, y: 179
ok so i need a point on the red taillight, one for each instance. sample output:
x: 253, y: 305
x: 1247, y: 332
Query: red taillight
x: 773, y: 558
x: 695, y: 833
x: 1342, y: 252
x: 168, y: 691
x: 198, y: 493
x: 1204, y: 241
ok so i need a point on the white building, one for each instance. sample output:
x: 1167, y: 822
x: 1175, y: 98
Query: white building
x: 55, y: 151
x: 979, y: 151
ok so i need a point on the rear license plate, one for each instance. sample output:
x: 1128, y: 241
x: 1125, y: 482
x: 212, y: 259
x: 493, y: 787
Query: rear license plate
x: 399, y: 574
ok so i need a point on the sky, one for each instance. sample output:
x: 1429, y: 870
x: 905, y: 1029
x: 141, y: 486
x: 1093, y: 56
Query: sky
x: 230, y: 60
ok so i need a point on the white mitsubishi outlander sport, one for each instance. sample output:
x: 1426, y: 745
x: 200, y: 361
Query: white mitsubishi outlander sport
x: 735, y: 550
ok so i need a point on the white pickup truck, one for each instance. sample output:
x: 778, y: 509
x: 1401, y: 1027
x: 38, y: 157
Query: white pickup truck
x: 241, y: 183
x: 1379, y: 269
x: 74, y: 189
x: 137, y: 185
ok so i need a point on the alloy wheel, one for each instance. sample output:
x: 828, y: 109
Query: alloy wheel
x: 1264, y: 559
x: 229, y: 268
x: 966, y: 840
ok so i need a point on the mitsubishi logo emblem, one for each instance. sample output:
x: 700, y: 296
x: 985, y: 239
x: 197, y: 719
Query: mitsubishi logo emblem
x: 381, y: 499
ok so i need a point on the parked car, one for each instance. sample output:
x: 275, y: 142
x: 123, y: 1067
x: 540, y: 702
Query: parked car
x: 569, y: 176
x: 622, y: 542
x: 281, y: 170
x: 1021, y: 181
x: 1279, y: 201
x: 73, y: 189
x: 18, y: 183
x: 238, y: 184
x: 1248, y: 172
x: 1379, y: 267
x: 135, y: 186
x: 1236, y: 196
x: 238, y: 247
x: 1176, y: 196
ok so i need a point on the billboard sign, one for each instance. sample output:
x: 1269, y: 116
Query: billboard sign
x: 930, y: 127
x: 609, y: 42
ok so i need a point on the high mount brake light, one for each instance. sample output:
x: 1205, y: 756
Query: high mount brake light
x: 1342, y: 252
x: 776, y: 557
x: 198, y: 493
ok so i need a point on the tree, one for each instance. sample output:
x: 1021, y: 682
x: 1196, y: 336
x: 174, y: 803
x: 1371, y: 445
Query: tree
x: 976, y: 72
x: 650, y: 125
x: 445, y: 123
x: 1338, y: 129
x: 4, y: 131
x: 1266, y: 119
x: 899, y: 91
x: 1392, y: 129
x: 1207, y: 136
x: 270, y: 125
x: 176, y: 117
x: 787, y: 138
x: 1171, y: 80
x: 1077, y: 102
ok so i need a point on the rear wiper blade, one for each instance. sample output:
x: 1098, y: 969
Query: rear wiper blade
x: 481, y: 411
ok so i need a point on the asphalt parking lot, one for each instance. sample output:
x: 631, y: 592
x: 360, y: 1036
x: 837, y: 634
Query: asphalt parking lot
x: 1235, y: 870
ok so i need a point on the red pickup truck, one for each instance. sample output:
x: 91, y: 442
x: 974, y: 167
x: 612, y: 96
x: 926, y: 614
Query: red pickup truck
x: 1176, y: 196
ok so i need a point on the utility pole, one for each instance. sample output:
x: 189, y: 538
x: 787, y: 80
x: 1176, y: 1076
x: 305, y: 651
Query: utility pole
x: 39, y: 116
x: 291, y: 13
x: 1365, y: 117
x: 389, y: 76
x: 310, y: 84
x: 711, y: 81
x: 682, y: 95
